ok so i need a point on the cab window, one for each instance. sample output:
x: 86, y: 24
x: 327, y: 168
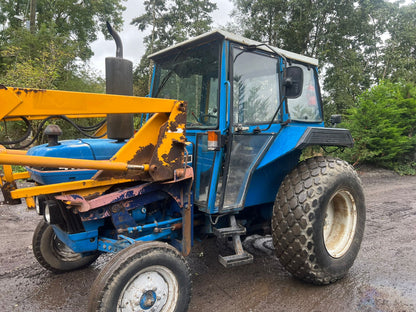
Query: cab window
x: 255, y: 87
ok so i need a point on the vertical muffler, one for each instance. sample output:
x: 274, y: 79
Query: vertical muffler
x: 119, y: 80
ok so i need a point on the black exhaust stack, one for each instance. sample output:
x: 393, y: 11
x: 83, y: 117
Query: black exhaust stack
x: 119, y: 80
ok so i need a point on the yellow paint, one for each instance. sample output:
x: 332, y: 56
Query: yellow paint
x: 30, y: 203
x: 101, y: 131
x: 21, y: 175
x: 9, y: 101
x: 40, y: 117
x: 8, y: 173
x: 170, y: 137
x: 30, y: 102
x: 53, y: 162
x: 64, y: 187
x: 4, y: 150
x: 147, y: 135
x: 37, y: 104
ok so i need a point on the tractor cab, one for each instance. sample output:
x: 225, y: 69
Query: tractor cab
x: 248, y: 107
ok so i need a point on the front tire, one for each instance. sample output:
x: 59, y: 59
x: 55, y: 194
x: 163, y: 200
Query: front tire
x: 318, y: 220
x: 149, y: 276
x: 53, y: 254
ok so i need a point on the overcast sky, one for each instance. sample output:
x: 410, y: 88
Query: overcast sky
x: 132, y: 38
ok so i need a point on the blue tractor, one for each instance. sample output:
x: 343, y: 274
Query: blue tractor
x: 251, y: 109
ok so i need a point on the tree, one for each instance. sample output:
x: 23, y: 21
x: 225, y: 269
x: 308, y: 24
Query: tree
x: 399, y: 61
x: 77, y: 22
x: 171, y: 22
x: 49, y: 56
x: 343, y: 35
x: 383, y: 125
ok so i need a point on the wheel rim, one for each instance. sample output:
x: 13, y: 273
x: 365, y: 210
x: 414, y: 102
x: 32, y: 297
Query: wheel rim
x: 152, y: 289
x: 340, y: 223
x: 62, y: 251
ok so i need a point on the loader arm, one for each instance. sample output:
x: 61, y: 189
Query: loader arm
x: 152, y: 154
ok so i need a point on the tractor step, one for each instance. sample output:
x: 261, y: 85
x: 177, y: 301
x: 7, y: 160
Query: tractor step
x: 229, y: 231
x: 241, y: 256
x: 236, y: 260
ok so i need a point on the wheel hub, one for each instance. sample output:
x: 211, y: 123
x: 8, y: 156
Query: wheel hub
x: 153, y: 289
x: 340, y: 223
x: 148, y: 299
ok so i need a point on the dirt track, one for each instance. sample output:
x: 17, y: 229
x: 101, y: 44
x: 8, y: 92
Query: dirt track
x: 383, y: 277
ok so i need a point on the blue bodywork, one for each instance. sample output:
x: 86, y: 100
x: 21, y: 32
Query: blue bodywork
x: 244, y: 174
x: 91, y: 149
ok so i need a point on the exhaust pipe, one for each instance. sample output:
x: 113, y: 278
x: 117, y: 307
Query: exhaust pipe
x: 119, y: 80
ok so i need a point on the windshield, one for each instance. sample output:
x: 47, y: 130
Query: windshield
x: 192, y: 76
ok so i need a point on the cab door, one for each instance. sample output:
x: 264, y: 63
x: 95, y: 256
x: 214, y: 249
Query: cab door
x: 254, y: 121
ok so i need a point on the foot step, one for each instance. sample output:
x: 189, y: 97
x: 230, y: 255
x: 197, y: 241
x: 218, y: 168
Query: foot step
x: 229, y: 231
x: 235, y: 260
x: 241, y: 256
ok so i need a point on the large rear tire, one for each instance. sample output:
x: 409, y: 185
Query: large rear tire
x: 53, y: 254
x: 318, y: 220
x: 150, y: 276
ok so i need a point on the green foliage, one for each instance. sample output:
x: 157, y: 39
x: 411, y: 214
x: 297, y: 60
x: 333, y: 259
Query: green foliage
x: 50, y: 55
x: 346, y: 37
x: 171, y: 22
x: 383, y: 125
x: 76, y: 23
x: 400, y: 50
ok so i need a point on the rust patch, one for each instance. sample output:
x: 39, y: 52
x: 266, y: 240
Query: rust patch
x: 6, y: 189
x: 174, y: 158
x: 180, y: 119
x: 27, y: 91
x: 142, y: 156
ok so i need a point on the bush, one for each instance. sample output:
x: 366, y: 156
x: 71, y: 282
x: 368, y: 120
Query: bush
x: 383, y: 127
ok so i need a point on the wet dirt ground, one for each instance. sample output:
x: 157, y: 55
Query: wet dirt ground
x: 383, y: 277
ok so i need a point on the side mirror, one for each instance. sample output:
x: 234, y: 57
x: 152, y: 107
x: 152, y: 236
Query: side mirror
x: 293, y: 81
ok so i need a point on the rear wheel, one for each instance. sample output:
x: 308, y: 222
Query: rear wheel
x: 143, y: 277
x: 318, y: 220
x: 53, y: 254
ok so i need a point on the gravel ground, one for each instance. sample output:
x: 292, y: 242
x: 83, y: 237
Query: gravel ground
x: 383, y: 277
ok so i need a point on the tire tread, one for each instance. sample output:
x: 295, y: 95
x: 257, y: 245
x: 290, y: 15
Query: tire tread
x: 298, y: 201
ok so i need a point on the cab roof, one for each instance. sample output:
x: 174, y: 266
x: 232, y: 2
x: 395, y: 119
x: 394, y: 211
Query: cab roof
x: 222, y: 34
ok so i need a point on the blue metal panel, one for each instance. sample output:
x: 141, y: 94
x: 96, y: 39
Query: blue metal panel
x: 285, y: 142
x: 224, y: 88
x: 113, y: 245
x: 103, y: 149
x: 93, y: 225
x: 59, y: 176
x: 79, y: 242
x: 91, y: 149
x: 266, y: 180
x: 225, y: 102
x: 67, y: 149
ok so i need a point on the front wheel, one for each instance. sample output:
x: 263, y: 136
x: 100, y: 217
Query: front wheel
x: 53, y: 254
x: 318, y: 220
x: 143, y: 277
